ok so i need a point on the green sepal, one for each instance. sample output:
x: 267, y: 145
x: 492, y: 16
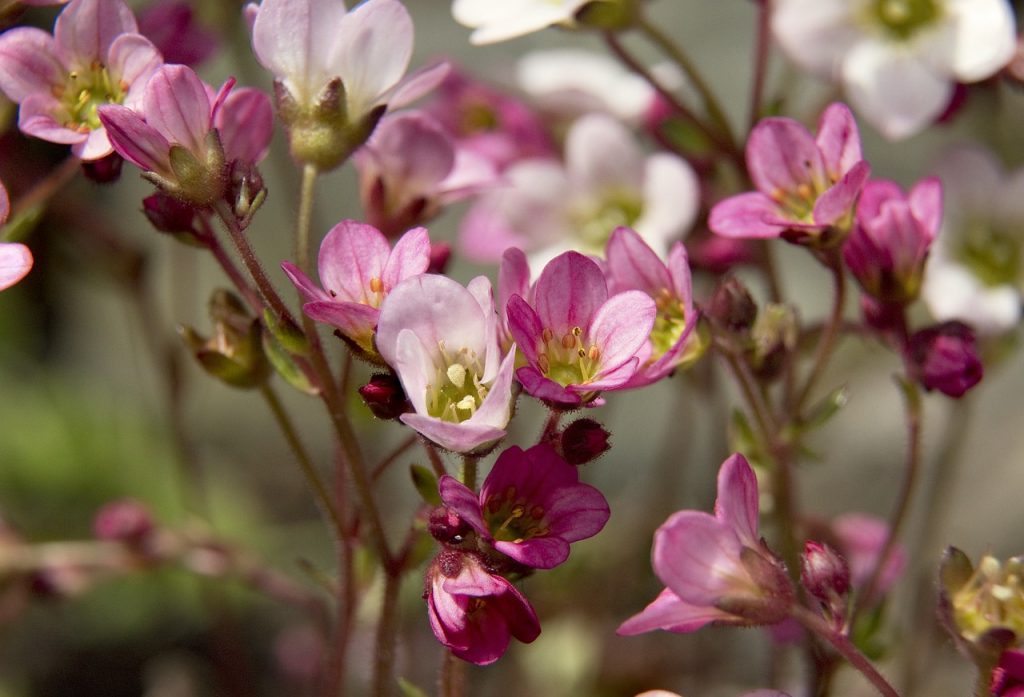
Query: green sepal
x: 286, y: 366
x: 287, y: 333
x: 425, y: 481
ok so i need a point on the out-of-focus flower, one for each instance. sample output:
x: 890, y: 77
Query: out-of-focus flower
x: 475, y: 613
x: 1008, y: 676
x: 411, y: 167
x: 531, y: 506
x: 860, y: 538
x: 184, y: 139
x: 975, y: 272
x: 633, y: 265
x: 171, y: 26
x: 15, y: 259
x: 715, y: 567
x: 606, y: 181
x: 806, y: 186
x: 125, y: 520
x: 358, y: 269
x: 489, y: 122
x: 442, y: 340
x: 578, y: 339
x: 337, y: 71
x: 897, y: 60
x: 887, y: 248
x: 945, y: 358
x: 95, y: 56
x: 500, y: 21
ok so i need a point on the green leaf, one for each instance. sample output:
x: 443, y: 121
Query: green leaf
x: 410, y: 690
x: 425, y: 482
x: 824, y: 410
x: 286, y: 366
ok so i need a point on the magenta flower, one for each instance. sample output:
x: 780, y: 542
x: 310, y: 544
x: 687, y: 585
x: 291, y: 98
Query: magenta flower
x: 804, y: 184
x: 94, y: 57
x: 15, y: 259
x: 633, y: 265
x: 475, y: 613
x: 357, y: 270
x: 184, y: 136
x: 411, y: 167
x: 889, y: 243
x: 577, y: 338
x: 944, y: 357
x: 1008, y: 675
x: 715, y: 567
x: 442, y: 340
x: 531, y: 506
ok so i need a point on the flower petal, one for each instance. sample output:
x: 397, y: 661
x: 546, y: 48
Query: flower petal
x: 569, y: 292
x: 461, y: 499
x: 745, y: 216
x: 178, y: 106
x: 838, y: 139
x: 698, y: 557
x: 85, y: 29
x: 633, y: 265
x: 245, y: 122
x: 410, y: 257
x: 737, y: 504
x: 459, y: 438
x: 621, y: 327
x: 782, y: 155
x: 351, y: 255
x: 28, y: 63
x: 672, y: 614
x: 985, y: 38
x: 671, y: 193
x: 134, y: 139
x: 371, y: 52
x: 15, y: 262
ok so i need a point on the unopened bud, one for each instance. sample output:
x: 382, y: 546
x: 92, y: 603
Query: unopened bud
x: 168, y: 214
x: 447, y: 527
x: 584, y: 440
x: 126, y: 520
x: 246, y: 191
x: 384, y: 396
x: 732, y: 306
x: 824, y: 572
x: 775, y: 336
x: 106, y: 170
x: 945, y: 358
x: 234, y: 354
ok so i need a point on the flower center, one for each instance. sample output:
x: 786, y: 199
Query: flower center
x: 456, y: 392
x: 511, y: 518
x: 567, y: 359
x: 991, y: 255
x: 85, y: 91
x: 902, y: 18
x: 993, y: 597
x: 595, y: 223
x: 478, y: 117
x: 669, y: 323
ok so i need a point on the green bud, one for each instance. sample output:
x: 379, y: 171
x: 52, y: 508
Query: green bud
x: 234, y: 354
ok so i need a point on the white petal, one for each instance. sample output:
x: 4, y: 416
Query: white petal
x: 815, y: 34
x: 984, y: 37
x: 372, y: 52
x: 671, y: 200
x: 952, y: 292
x: 601, y: 154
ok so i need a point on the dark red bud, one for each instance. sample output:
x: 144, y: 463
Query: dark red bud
x: 384, y: 396
x: 732, y: 306
x: 447, y: 527
x: 824, y: 572
x: 584, y: 440
x: 106, y: 170
x: 945, y: 358
x: 167, y: 214
x: 126, y: 520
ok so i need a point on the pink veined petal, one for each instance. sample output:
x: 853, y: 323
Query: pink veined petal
x: 875, y: 193
x: 135, y: 140
x: 418, y: 84
x: 513, y: 277
x: 28, y: 63
x: 782, y: 155
x: 480, y: 288
x: 537, y: 552
x: 355, y: 321
x: 459, y: 498
x: 351, y: 255
x: 133, y: 60
x: 576, y: 512
x: 698, y: 557
x: 682, y: 282
x: 745, y: 216
x: 95, y: 146
x: 415, y: 365
x: 569, y: 292
x: 36, y: 119
x: 371, y: 52
x: 621, y: 326
x: 410, y: 257
x: 815, y: 33
x: 601, y: 154
x: 85, y: 29
x: 672, y: 614
x: 310, y: 291
x: 737, y: 504
x: 544, y: 388
x: 525, y: 326
x: 838, y: 139
x: 839, y: 200
x: 925, y: 200
x: 245, y: 122
x: 177, y: 105
x: 15, y: 262
x: 611, y: 379
x: 633, y: 265
x: 459, y: 438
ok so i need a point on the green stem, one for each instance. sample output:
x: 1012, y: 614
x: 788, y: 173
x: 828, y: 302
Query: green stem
x: 469, y: 471
x: 227, y: 265
x: 828, y: 339
x: 305, y: 217
x: 841, y: 643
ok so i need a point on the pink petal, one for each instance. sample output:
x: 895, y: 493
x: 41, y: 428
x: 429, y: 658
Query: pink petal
x: 839, y: 200
x: 459, y: 438
x: 525, y: 327
x: 569, y: 291
x: 577, y: 512
x: 309, y: 290
x: 838, y: 139
x: 737, y: 504
x: 875, y: 193
x: 351, y: 256
x: 371, y: 52
x: 536, y: 552
x: 418, y: 84
x: 782, y: 155
x: 622, y: 326
x: 355, y: 320
x: 133, y: 60
x: 410, y: 257
x: 513, y: 277
x: 545, y: 389
x: 697, y: 556
x: 245, y: 122
x: 459, y: 498
x: 135, y: 140
x: 85, y: 29
x: 178, y: 106
x: 5, y: 204
x: 15, y: 262
x: 28, y: 63
x: 633, y: 265
x: 925, y: 200
x: 670, y: 613
x: 36, y: 118
x: 745, y: 216
x: 95, y: 146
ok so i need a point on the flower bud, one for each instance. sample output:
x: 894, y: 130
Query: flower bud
x: 384, y: 396
x: 235, y: 352
x: 774, y: 337
x: 732, y: 305
x: 944, y: 357
x: 447, y: 527
x: 584, y: 440
x: 106, y: 170
x: 246, y: 191
x: 823, y: 571
x: 168, y: 214
x: 126, y: 520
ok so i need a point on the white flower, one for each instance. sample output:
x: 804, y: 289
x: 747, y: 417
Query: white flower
x: 500, y: 20
x: 976, y: 270
x: 606, y: 181
x: 897, y: 59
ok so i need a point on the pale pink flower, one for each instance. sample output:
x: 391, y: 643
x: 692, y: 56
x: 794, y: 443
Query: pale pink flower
x: 805, y: 184
x: 579, y: 339
x: 499, y: 21
x: 531, y: 506
x: 473, y: 612
x: 548, y: 207
x: 715, y: 567
x: 94, y: 57
x: 860, y: 538
x: 897, y: 60
x: 442, y: 340
x: 633, y: 265
x: 358, y: 269
x: 15, y: 259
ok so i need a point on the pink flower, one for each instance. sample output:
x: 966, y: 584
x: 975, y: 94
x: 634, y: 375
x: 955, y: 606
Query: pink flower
x: 1008, y: 675
x: 633, y: 265
x: 944, y: 357
x: 94, y: 57
x: 475, y: 613
x: 171, y: 26
x: 15, y: 259
x: 889, y: 244
x: 442, y: 340
x: 804, y: 184
x: 861, y: 538
x: 357, y: 270
x: 577, y: 338
x: 184, y: 136
x: 531, y: 506
x: 715, y: 567
x: 411, y: 167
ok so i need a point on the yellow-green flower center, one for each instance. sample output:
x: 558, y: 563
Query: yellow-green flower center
x: 669, y: 323
x: 567, y: 359
x: 902, y: 18
x: 511, y: 518
x: 993, y: 597
x: 992, y: 255
x: 85, y: 91
x: 595, y: 222
x: 456, y: 392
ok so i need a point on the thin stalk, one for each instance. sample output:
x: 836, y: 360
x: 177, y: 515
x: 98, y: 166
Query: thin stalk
x: 550, y: 427
x: 387, y: 631
x: 47, y: 187
x: 229, y: 268
x: 469, y: 471
x: 748, y: 386
x: 435, y: 458
x: 828, y: 339
x: 680, y: 58
x: 305, y: 217
x: 763, y: 43
x: 452, y: 682
x: 316, y: 483
x: 345, y: 593
x: 841, y: 643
